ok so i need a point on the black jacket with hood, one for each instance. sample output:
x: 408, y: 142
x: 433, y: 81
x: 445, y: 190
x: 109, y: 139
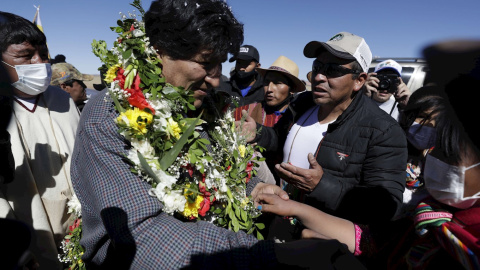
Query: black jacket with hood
x: 363, y: 155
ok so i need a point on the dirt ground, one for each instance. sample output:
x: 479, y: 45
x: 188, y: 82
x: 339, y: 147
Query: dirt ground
x: 96, y: 80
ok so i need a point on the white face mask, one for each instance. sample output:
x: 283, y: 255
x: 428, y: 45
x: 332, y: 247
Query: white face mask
x: 33, y: 79
x: 421, y: 137
x: 446, y: 183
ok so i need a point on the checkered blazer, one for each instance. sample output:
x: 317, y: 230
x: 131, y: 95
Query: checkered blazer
x: 125, y: 227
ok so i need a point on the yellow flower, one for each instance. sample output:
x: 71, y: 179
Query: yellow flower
x: 173, y: 128
x: 137, y: 120
x: 241, y: 150
x: 111, y: 73
x: 191, y: 209
x: 244, y: 202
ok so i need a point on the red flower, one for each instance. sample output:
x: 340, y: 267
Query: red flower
x: 75, y: 225
x: 249, y: 171
x: 204, y: 206
x: 136, y: 99
x: 120, y: 77
x: 132, y: 28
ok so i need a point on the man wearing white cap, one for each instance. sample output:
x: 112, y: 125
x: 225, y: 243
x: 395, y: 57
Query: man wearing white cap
x: 386, y: 87
x: 341, y: 153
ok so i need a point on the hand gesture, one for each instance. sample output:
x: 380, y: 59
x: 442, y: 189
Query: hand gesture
x: 303, y: 179
x: 270, y: 203
x: 262, y: 188
x: 403, y: 94
x: 248, y: 128
x: 371, y: 84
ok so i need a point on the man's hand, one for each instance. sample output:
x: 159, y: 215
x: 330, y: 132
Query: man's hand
x: 403, y: 94
x: 262, y: 188
x: 248, y: 128
x: 371, y: 84
x: 303, y: 179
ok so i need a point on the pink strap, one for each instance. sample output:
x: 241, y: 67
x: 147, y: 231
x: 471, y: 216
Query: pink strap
x: 358, y: 236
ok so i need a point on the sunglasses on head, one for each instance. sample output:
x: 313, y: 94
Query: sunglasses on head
x: 331, y: 70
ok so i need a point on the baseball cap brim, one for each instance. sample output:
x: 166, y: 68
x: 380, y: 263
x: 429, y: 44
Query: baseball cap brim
x: 314, y: 48
x: 87, y: 77
x: 242, y: 57
x: 392, y: 68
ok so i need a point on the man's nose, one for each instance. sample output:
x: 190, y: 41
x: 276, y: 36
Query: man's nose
x: 213, y: 76
x: 37, y: 59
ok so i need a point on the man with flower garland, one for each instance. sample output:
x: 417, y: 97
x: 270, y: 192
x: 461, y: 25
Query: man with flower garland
x: 125, y: 227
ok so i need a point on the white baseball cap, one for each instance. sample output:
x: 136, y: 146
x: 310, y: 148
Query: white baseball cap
x: 344, y: 45
x: 389, y: 64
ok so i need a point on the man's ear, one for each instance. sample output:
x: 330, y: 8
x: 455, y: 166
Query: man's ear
x: 258, y: 65
x: 63, y: 86
x: 360, y: 81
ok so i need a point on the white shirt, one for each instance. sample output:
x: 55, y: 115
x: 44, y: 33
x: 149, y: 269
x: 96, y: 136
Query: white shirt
x: 303, y: 138
x: 387, y: 107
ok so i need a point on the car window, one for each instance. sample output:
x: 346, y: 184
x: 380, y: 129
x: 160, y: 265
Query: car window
x: 407, y: 74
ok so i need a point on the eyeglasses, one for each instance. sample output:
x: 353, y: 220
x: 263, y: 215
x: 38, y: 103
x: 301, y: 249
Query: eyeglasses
x: 331, y: 70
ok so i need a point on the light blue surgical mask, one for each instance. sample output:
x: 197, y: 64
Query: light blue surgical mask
x: 421, y: 137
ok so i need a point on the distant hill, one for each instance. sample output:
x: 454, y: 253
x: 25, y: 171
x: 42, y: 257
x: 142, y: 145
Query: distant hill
x: 96, y: 80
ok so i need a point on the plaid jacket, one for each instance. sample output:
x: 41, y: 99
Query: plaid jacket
x: 125, y: 227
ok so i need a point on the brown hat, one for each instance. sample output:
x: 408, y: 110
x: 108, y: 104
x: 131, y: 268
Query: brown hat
x: 288, y: 68
x: 62, y: 72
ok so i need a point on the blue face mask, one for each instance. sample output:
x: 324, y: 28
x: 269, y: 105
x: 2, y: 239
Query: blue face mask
x: 421, y: 137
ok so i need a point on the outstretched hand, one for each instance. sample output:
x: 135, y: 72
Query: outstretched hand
x: 303, y: 179
x: 248, y: 128
x: 271, y: 203
x: 262, y: 188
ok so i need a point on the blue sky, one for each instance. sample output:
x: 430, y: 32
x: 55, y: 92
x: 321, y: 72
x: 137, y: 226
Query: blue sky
x: 275, y: 27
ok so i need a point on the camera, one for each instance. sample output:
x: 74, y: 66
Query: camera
x: 388, y: 82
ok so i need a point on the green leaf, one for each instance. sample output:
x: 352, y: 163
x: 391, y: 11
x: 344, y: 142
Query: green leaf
x: 259, y: 236
x: 260, y: 226
x: 147, y: 168
x: 235, y: 224
x: 168, y: 159
x: 243, y: 214
x: 120, y: 109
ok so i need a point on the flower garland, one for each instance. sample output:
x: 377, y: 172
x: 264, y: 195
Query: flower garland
x: 198, y: 167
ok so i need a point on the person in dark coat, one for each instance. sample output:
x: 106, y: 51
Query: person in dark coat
x: 341, y: 153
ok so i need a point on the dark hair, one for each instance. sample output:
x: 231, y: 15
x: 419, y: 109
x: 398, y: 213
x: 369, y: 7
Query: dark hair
x: 449, y: 130
x: 182, y: 28
x: 60, y: 58
x: 16, y: 30
x: 356, y: 66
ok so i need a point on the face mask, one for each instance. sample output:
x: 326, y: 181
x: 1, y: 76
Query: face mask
x: 421, y: 137
x: 245, y: 76
x: 33, y: 79
x: 446, y: 183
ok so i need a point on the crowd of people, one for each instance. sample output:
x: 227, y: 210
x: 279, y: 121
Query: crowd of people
x: 357, y: 175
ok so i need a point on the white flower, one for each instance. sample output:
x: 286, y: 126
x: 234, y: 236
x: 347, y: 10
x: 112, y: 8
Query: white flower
x: 75, y: 206
x: 137, y: 33
x: 174, y: 201
x: 144, y: 147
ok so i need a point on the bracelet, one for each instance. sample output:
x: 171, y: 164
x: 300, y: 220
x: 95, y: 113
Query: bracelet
x: 358, y: 236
